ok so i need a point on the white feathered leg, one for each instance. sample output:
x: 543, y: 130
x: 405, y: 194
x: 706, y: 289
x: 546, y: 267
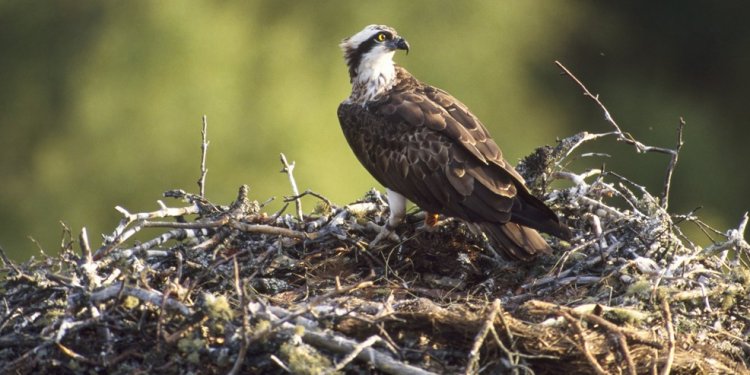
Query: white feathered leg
x: 397, y: 205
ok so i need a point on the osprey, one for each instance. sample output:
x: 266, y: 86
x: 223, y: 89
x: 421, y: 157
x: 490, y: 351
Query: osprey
x: 424, y: 145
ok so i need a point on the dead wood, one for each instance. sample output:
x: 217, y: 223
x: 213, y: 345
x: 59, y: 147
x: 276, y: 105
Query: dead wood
x: 210, y: 289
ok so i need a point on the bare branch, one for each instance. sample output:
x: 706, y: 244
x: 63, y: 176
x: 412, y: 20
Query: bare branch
x: 357, y: 350
x: 335, y: 342
x: 621, y: 136
x: 672, y: 165
x: 240, y: 290
x: 268, y: 229
x: 153, y: 297
x: 489, y: 322
x: 204, y: 151
x: 289, y: 169
x: 667, y: 314
x: 583, y: 343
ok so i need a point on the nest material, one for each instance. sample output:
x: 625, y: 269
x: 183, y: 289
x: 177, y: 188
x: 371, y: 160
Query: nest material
x: 232, y: 289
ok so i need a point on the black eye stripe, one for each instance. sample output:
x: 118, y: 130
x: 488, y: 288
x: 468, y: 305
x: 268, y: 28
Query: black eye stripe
x: 355, y: 56
x: 366, y: 46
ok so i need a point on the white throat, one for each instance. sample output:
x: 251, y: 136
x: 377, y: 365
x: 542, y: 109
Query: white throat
x: 376, y: 75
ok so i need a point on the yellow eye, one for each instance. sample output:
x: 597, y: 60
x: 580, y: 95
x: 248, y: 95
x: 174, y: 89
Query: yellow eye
x: 381, y: 37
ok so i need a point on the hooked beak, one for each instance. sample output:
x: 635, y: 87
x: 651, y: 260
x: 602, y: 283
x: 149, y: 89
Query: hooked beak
x: 399, y: 43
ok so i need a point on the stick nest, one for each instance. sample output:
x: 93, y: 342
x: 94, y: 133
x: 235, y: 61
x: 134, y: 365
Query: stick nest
x: 218, y: 288
x: 206, y: 288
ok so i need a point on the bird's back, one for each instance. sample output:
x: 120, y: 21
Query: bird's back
x: 423, y: 143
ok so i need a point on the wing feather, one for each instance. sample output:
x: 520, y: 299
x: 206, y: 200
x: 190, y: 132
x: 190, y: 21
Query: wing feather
x: 425, y: 144
x: 461, y: 183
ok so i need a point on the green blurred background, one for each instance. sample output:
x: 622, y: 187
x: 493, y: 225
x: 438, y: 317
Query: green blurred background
x: 101, y: 101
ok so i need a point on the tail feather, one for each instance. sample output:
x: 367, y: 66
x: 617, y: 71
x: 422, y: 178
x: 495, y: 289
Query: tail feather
x: 549, y: 225
x: 531, y: 212
x: 516, y: 241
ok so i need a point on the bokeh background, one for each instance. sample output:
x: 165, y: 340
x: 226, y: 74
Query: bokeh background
x: 101, y: 101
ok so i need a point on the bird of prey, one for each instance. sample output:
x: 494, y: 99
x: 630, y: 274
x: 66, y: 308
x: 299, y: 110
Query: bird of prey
x: 424, y: 145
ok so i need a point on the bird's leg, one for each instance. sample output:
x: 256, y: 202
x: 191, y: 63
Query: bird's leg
x: 397, y: 204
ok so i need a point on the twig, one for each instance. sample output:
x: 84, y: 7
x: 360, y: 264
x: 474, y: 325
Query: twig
x: 575, y: 141
x: 512, y: 356
x: 177, y: 234
x: 489, y: 322
x: 621, y: 136
x: 202, y: 203
x: 589, y: 262
x: 9, y: 262
x: 245, y: 322
x: 690, y: 295
x: 314, y: 194
x: 508, y: 333
x: 281, y: 364
x: 743, y: 226
x: 735, y: 238
x: 632, y: 370
x: 596, y: 226
x: 22, y: 361
x: 595, y: 204
x: 672, y: 165
x: 654, y: 362
x: 122, y: 233
x: 577, y: 179
x: 541, y: 307
x: 153, y: 297
x: 357, y: 349
x: 88, y: 265
x: 204, y: 151
x: 75, y: 356
x: 85, y: 247
x: 325, y: 297
x: 583, y: 343
x: 334, y: 342
x: 193, y: 225
x: 267, y: 229
x: 588, y: 93
x: 561, y: 262
x: 381, y: 361
x: 289, y: 169
x: 66, y: 240
x: 160, y: 332
x: 670, y: 336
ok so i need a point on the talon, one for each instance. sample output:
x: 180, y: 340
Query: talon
x: 397, y: 206
x: 385, y: 233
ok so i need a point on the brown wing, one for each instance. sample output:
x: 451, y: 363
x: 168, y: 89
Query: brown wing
x: 426, y: 145
x: 527, y: 209
x: 409, y: 160
x: 516, y: 241
x: 466, y: 128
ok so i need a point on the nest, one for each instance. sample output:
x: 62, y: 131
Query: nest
x: 233, y: 289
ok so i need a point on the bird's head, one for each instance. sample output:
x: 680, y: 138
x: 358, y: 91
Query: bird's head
x: 369, y: 52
